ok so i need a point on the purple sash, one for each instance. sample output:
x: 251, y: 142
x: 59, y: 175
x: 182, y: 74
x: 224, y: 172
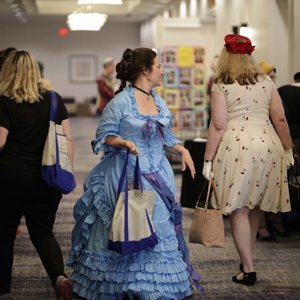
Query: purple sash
x: 176, y: 216
x: 149, y: 129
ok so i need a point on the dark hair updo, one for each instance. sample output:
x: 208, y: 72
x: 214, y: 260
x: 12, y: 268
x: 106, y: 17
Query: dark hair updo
x: 133, y: 63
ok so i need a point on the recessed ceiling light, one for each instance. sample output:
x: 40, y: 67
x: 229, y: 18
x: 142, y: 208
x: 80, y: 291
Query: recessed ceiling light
x: 86, y: 21
x: 110, y: 2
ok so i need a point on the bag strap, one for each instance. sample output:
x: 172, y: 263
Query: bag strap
x: 199, y: 198
x: 211, y: 183
x: 123, y: 175
x: 53, y: 107
x: 137, y: 183
x: 137, y: 178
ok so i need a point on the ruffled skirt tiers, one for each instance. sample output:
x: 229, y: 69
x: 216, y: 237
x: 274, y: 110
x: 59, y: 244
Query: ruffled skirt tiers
x: 154, y: 273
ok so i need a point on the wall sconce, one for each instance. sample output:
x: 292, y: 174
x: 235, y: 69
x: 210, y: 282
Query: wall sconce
x: 243, y: 29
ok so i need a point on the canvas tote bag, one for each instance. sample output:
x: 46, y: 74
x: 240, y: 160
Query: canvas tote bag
x: 56, y: 165
x: 207, y: 227
x: 132, y: 229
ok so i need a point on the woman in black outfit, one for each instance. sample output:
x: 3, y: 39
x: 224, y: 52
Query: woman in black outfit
x: 290, y: 95
x: 24, y: 122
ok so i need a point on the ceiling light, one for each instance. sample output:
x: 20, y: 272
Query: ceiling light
x: 86, y: 21
x: 110, y: 2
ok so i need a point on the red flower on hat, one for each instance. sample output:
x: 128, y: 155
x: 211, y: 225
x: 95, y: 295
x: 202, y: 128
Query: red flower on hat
x: 238, y: 44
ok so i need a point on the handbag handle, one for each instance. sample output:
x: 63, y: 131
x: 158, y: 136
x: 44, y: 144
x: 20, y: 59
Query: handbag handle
x: 137, y: 178
x: 211, y: 183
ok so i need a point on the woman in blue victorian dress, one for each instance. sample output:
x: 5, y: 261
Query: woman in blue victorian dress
x: 138, y: 120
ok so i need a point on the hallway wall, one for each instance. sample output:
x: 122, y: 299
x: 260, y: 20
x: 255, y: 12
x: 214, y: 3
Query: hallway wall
x: 277, y: 39
x: 269, y: 20
x: 43, y: 42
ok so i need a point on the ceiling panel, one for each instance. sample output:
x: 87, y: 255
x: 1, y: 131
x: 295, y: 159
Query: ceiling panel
x: 129, y: 11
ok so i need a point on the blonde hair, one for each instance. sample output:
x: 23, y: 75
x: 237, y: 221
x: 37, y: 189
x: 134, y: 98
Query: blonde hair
x: 237, y: 67
x: 21, y: 78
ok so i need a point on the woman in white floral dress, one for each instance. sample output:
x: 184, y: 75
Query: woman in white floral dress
x: 247, y: 154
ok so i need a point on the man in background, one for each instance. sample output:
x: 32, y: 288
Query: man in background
x: 106, y: 84
x: 290, y: 95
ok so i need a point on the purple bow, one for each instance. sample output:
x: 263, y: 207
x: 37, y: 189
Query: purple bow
x: 150, y: 128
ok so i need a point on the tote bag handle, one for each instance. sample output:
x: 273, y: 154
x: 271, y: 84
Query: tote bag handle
x: 137, y: 178
x: 137, y: 184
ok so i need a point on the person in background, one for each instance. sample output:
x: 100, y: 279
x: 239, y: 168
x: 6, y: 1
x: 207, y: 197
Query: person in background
x: 290, y: 95
x: 106, y: 83
x: 270, y: 224
x: 4, y: 54
x: 139, y: 120
x: 247, y: 157
x: 268, y: 69
x: 24, y: 123
x: 45, y: 83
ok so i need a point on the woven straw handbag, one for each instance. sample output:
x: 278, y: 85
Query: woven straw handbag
x: 207, y: 227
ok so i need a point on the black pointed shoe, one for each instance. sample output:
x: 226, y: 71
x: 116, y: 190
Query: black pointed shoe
x: 248, y: 278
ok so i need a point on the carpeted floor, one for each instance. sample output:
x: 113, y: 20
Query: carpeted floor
x: 277, y: 263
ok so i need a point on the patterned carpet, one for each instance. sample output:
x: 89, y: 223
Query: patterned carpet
x: 277, y: 263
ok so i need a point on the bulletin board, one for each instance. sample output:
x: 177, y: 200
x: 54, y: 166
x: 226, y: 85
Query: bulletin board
x: 184, y: 86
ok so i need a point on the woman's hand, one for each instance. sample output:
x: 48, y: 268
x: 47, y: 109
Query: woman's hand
x: 206, y: 171
x: 289, y: 158
x: 132, y: 147
x: 186, y: 160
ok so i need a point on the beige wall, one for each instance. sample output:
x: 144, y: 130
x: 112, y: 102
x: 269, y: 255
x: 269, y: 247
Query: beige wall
x: 276, y: 25
x: 270, y: 21
x: 277, y: 39
x: 42, y: 41
x: 295, y: 64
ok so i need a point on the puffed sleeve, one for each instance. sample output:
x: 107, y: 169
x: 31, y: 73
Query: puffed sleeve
x: 216, y: 88
x: 109, y: 124
x: 170, y: 139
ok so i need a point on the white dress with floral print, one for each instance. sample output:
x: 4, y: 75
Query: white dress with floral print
x: 249, y: 166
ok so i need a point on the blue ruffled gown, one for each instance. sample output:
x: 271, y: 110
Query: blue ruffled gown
x: 155, y: 273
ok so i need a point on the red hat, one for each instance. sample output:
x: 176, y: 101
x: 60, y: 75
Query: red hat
x: 238, y: 44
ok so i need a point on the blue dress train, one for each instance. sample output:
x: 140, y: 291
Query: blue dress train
x: 155, y: 273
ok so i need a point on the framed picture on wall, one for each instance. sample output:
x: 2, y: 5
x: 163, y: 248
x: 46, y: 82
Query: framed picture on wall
x: 186, y: 119
x: 185, y: 77
x: 171, y: 77
x: 169, y: 56
x: 200, y: 119
x: 83, y: 68
x: 171, y: 97
x: 198, y: 97
x: 185, y: 98
x: 175, y: 119
x: 199, y: 55
x: 198, y: 76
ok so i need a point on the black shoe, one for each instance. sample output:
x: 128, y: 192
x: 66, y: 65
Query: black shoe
x: 248, y: 278
x: 241, y: 267
x: 265, y: 238
x: 279, y: 230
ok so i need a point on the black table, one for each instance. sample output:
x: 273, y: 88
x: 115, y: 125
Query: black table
x: 191, y: 188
